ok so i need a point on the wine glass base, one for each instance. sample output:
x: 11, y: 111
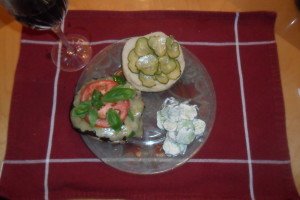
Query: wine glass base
x: 74, y: 57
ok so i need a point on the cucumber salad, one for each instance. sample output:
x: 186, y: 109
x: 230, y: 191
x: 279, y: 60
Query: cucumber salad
x: 181, y: 124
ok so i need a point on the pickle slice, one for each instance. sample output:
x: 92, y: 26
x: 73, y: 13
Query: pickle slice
x: 162, y: 78
x: 175, y: 74
x: 166, y: 64
x: 158, y: 71
x: 141, y: 47
x: 132, y: 58
x: 158, y: 44
x: 147, y: 81
x: 172, y: 48
x: 147, y: 64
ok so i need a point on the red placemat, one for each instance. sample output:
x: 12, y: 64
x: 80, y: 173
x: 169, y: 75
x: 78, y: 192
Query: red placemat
x: 245, y: 157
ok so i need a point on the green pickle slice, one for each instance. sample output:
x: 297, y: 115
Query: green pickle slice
x: 158, y: 44
x: 162, y: 78
x: 175, y: 73
x: 141, y: 47
x: 147, y: 64
x: 166, y: 64
x: 147, y: 81
x: 158, y: 71
x: 132, y: 58
x: 172, y: 48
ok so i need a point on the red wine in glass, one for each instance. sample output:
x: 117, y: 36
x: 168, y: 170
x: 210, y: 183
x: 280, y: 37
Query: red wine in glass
x: 74, y: 51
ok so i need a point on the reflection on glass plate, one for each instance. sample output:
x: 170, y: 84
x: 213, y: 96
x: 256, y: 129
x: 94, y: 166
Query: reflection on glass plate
x: 145, y: 155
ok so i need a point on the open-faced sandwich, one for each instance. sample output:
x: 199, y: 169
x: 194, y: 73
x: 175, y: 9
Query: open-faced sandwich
x: 153, y: 62
x: 109, y: 109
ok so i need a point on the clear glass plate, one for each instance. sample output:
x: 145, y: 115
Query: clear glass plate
x: 145, y: 155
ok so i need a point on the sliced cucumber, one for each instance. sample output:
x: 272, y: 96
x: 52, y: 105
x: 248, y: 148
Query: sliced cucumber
x: 132, y: 58
x: 147, y: 81
x: 172, y: 47
x: 158, y: 44
x: 142, y: 48
x: 175, y: 74
x: 147, y: 64
x: 166, y: 64
x: 162, y: 78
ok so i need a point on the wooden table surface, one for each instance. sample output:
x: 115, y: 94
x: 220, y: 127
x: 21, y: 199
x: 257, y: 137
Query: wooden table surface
x: 287, y: 33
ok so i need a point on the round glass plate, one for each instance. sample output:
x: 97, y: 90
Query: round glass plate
x: 145, y: 155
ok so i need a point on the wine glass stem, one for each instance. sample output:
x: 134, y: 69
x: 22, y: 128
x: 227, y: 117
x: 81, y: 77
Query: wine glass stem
x: 57, y: 30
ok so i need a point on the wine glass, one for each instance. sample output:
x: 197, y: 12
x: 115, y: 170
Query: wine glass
x: 73, y: 51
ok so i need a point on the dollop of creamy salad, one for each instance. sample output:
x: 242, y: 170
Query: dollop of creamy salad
x: 181, y: 123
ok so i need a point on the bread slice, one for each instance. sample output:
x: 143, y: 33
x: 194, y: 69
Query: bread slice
x: 133, y: 78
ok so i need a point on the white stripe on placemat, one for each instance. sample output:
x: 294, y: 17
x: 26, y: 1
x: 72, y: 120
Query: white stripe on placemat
x: 40, y: 42
x: 103, y: 42
x: 240, y: 161
x: 256, y: 43
x: 194, y: 160
x: 52, y: 119
x: 1, y: 169
x: 226, y: 43
x: 245, y: 122
x: 52, y: 123
x: 46, y: 42
x: 187, y: 43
